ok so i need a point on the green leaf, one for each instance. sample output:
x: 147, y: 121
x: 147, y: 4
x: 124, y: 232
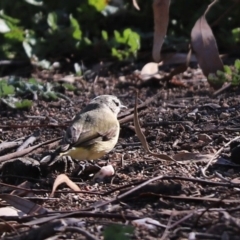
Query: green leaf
x: 77, y: 33
x: 227, y: 69
x: 15, y: 103
x: 52, y: 20
x: 236, y: 34
x: 15, y: 34
x: 10, y: 20
x: 87, y: 41
x: 118, y: 232
x: 235, y: 79
x: 118, y: 37
x: 25, y: 103
x: 237, y: 65
x: 6, y: 89
x: 117, y: 54
x: 33, y: 81
x: 50, y: 95
x: 220, y: 73
x: 134, y: 42
x: 104, y: 35
x: 99, y: 5
x: 132, y: 39
x: 69, y: 87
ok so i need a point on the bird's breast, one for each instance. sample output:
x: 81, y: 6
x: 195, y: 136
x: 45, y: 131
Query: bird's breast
x: 94, y: 151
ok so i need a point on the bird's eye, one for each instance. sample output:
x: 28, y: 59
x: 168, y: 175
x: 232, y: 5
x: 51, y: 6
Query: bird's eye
x: 117, y: 103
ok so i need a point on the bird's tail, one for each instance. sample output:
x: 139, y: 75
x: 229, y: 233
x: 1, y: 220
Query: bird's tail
x: 51, y: 158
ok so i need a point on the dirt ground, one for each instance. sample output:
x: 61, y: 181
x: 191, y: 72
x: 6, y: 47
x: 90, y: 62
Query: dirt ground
x: 183, y: 199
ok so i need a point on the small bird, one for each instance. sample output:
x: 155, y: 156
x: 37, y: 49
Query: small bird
x: 94, y: 131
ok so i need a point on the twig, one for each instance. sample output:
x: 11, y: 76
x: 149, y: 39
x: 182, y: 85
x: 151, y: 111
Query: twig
x: 26, y: 150
x: 6, y: 145
x: 119, y: 197
x: 29, y: 141
x: 194, y: 180
x: 217, y: 174
x: 223, y: 88
x: 183, y: 219
x: 199, y: 198
x: 166, y: 233
x: 203, y: 170
x: 43, y: 218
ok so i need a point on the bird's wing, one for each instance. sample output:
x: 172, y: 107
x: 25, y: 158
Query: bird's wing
x: 88, y: 128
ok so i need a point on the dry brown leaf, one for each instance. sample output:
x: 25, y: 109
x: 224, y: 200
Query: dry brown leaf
x: 161, y: 17
x: 62, y: 178
x: 24, y: 205
x: 24, y: 193
x: 142, y: 138
x: 204, y: 45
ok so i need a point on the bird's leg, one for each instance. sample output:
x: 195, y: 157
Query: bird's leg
x: 81, y: 167
x: 87, y: 166
x: 93, y: 163
x: 107, y: 162
x: 52, y: 159
x: 67, y: 159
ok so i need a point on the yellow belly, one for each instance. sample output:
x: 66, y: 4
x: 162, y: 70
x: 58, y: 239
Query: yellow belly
x: 93, y: 152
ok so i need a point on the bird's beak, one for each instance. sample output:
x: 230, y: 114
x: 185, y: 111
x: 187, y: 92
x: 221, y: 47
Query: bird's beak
x: 123, y: 106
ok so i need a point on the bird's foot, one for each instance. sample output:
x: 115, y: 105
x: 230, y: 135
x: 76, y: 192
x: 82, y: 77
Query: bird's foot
x: 86, y: 167
x: 52, y: 159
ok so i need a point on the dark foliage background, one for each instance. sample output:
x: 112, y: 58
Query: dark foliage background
x: 55, y: 30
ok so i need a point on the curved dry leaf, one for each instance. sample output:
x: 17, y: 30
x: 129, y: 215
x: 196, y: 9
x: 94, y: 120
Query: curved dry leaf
x: 204, y: 45
x: 142, y: 138
x: 62, y: 178
x: 161, y: 18
x: 135, y: 4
